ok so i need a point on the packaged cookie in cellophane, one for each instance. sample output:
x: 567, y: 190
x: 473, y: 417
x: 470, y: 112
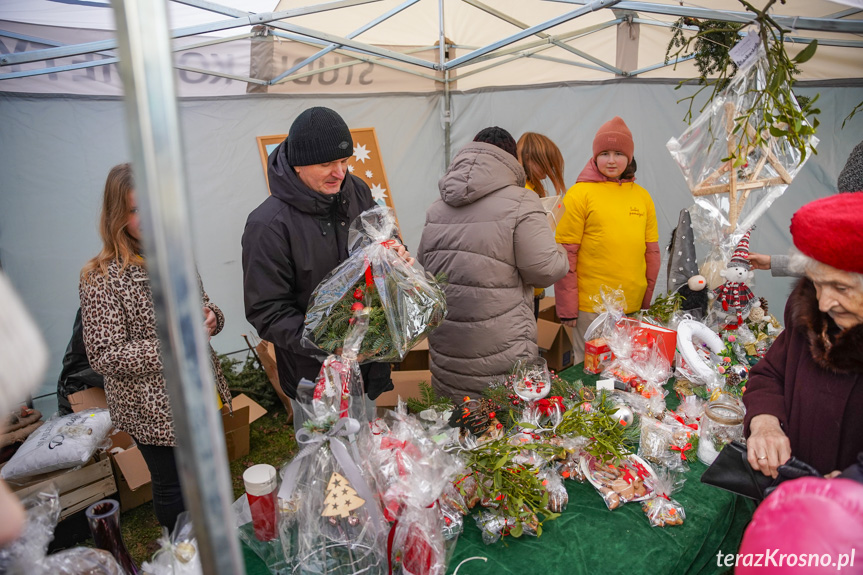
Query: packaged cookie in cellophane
x: 619, y: 482
x: 661, y: 509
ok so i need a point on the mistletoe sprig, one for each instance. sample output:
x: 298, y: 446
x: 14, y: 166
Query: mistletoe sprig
x: 517, y: 489
x: 781, y: 117
x: 665, y: 306
x: 609, y: 440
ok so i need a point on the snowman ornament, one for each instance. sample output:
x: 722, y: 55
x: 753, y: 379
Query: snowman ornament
x: 733, y: 301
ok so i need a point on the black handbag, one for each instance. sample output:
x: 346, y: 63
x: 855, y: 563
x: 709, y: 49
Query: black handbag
x: 731, y: 471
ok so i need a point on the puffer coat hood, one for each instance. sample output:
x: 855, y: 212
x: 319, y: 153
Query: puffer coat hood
x: 491, y: 238
x: 478, y: 170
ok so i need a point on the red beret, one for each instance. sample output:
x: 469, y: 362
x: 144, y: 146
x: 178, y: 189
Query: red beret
x: 830, y: 230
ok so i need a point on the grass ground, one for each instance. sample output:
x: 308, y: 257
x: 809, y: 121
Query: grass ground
x: 271, y: 441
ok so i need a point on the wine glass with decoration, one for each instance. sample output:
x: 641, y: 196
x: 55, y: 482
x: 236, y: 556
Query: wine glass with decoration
x: 532, y: 382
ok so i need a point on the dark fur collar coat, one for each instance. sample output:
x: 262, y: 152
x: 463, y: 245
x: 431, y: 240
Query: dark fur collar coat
x: 812, y: 380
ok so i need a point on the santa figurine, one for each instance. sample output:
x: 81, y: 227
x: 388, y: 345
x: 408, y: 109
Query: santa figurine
x: 733, y: 300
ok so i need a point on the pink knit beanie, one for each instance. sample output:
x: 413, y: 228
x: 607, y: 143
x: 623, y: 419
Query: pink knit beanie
x: 614, y: 135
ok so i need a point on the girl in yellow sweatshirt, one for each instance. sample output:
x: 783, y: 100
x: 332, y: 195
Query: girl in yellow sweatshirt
x: 609, y: 231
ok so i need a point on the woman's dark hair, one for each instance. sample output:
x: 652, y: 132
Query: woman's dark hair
x: 497, y: 137
x: 629, y: 172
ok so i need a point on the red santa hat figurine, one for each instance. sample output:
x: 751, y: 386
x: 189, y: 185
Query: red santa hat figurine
x: 733, y: 300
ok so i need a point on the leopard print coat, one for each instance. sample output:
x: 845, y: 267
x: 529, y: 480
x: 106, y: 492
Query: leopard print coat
x: 122, y: 344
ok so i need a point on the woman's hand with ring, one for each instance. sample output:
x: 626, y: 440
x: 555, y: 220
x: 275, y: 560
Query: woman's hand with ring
x: 767, y: 447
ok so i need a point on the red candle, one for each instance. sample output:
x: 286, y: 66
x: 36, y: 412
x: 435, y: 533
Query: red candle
x: 261, y: 483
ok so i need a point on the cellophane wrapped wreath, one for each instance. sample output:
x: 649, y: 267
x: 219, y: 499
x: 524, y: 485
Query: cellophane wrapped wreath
x: 404, y: 302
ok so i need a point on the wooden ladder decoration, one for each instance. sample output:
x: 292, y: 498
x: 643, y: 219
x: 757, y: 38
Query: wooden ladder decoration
x: 738, y: 191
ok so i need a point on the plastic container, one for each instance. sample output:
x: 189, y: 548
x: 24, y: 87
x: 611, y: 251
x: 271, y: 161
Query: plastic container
x: 262, y: 484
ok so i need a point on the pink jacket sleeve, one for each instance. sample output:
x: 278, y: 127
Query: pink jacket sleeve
x: 566, y: 289
x: 653, y: 258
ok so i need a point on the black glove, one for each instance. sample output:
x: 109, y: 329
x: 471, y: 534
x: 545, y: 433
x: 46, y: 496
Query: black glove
x: 792, y: 469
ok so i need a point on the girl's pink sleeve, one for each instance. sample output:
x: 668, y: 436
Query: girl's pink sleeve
x: 566, y: 288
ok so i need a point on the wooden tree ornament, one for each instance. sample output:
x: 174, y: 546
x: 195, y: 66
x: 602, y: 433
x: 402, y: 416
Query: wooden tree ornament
x: 738, y: 190
x: 341, y: 498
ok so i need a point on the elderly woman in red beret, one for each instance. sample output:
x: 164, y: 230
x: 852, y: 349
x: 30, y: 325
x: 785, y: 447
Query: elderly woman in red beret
x: 805, y: 398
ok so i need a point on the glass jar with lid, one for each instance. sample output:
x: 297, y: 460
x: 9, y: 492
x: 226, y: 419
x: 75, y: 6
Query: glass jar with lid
x: 721, y: 423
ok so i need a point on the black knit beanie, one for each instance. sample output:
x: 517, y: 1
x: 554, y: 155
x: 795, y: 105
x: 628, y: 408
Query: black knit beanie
x: 498, y: 137
x: 318, y: 135
x: 851, y: 176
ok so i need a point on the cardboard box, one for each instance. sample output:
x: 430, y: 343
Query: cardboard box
x: 417, y: 359
x: 555, y: 344
x: 78, y: 488
x: 661, y: 338
x: 267, y: 356
x: 548, y: 310
x: 407, y: 385
x: 131, y: 475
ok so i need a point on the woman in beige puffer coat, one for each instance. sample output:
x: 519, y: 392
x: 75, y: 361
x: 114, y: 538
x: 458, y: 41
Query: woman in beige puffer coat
x: 491, y: 238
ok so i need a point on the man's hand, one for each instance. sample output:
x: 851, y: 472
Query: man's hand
x: 767, y: 447
x: 759, y: 261
x: 569, y: 322
x: 404, y: 253
x: 210, y: 321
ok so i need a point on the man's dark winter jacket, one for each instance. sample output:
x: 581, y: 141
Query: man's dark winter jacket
x: 812, y: 380
x: 291, y: 242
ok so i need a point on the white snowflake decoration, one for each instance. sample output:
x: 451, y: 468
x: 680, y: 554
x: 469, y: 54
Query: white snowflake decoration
x: 361, y: 153
x: 369, y: 174
x: 378, y: 193
x: 351, y: 168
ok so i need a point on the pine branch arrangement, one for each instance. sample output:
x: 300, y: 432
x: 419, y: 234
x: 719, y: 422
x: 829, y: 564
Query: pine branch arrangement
x: 378, y: 343
x: 429, y: 399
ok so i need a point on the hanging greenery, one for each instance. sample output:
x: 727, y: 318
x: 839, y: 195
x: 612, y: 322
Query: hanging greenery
x: 775, y: 111
x: 665, y: 306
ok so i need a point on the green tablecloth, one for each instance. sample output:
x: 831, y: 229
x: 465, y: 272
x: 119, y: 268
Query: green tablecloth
x: 588, y: 538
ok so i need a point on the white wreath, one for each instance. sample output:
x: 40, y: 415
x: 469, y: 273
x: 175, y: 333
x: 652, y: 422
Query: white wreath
x: 692, y: 361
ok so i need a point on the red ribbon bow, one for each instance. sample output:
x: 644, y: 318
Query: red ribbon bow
x: 680, y: 419
x: 546, y: 406
x: 682, y: 450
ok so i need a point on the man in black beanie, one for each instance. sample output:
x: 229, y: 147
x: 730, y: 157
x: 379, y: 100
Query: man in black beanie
x: 297, y: 236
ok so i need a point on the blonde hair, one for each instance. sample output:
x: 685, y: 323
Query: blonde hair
x: 541, y: 158
x: 117, y: 244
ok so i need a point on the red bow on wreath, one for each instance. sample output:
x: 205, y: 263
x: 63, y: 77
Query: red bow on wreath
x: 546, y: 406
x: 682, y: 450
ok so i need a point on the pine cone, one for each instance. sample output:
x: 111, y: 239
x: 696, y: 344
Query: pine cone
x: 764, y: 305
x: 732, y: 379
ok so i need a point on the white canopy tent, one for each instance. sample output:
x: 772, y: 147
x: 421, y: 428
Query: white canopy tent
x: 426, y: 74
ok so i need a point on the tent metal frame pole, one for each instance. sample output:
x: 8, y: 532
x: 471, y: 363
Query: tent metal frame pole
x: 592, y: 6
x: 447, y: 92
x: 104, y: 45
x: 545, y: 44
x: 545, y: 36
x: 661, y: 65
x: 377, y: 60
x: 154, y: 133
x: 791, y: 39
x: 113, y: 60
x: 533, y: 54
x: 354, y: 34
x: 791, y: 22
